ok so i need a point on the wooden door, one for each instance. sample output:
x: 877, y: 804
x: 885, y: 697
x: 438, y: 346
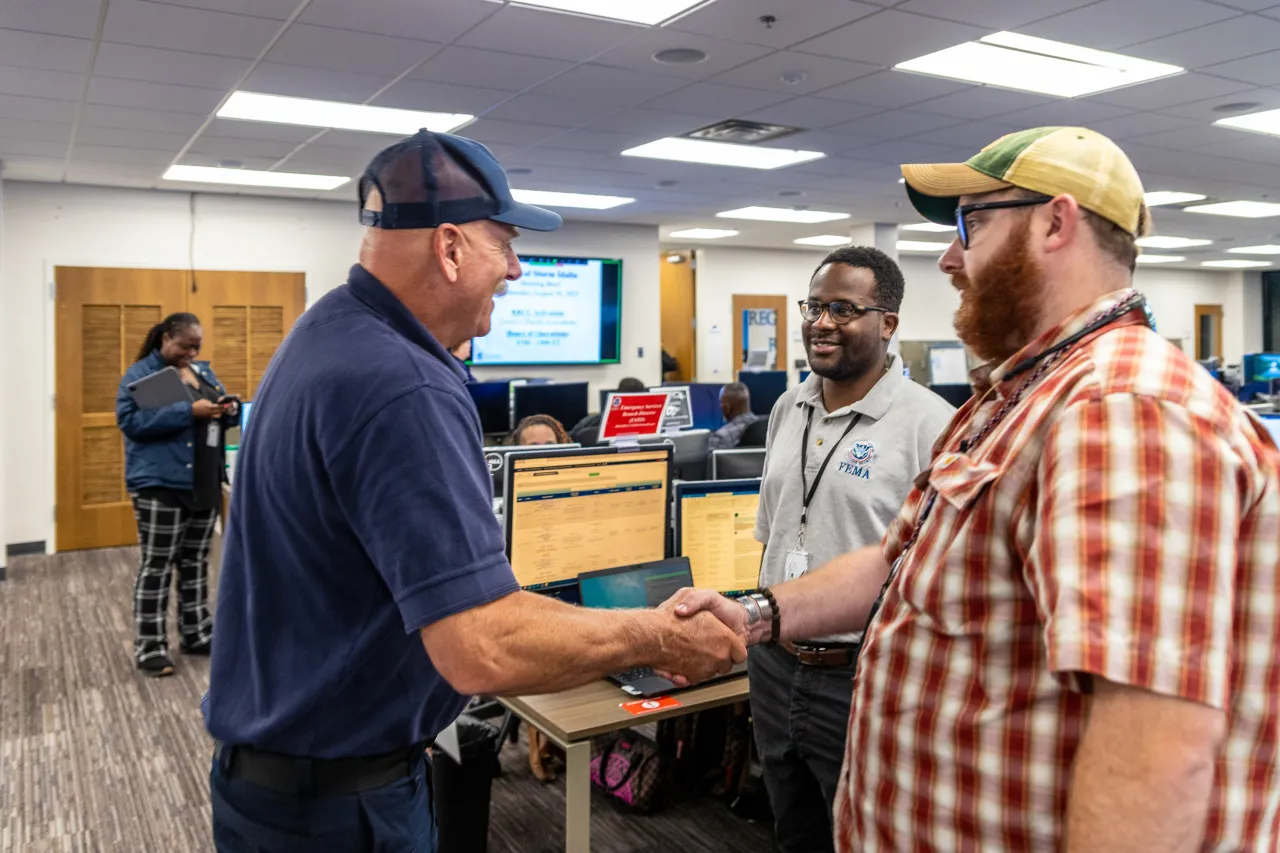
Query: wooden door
x: 678, y: 298
x: 245, y: 316
x: 1209, y: 332
x: 102, y: 317
x: 750, y: 303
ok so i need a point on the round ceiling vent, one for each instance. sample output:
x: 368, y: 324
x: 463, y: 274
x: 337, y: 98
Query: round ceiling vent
x: 1236, y: 107
x: 666, y: 183
x: 680, y: 56
x: 520, y: 170
x: 790, y: 193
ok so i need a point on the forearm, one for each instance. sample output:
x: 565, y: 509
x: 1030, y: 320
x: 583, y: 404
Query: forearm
x: 833, y: 599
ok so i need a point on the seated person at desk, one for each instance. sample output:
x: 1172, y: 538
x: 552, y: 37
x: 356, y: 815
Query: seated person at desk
x: 538, y: 431
x: 735, y: 404
x: 587, y: 431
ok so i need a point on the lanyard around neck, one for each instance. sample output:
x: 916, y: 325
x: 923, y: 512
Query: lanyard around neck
x: 807, y: 490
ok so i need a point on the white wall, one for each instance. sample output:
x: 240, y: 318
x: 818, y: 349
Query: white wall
x: 930, y: 302
x: 47, y: 225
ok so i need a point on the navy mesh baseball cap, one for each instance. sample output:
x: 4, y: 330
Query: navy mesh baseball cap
x: 431, y: 179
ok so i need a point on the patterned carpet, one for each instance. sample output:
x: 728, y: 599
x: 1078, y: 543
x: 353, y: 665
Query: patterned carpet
x: 93, y: 757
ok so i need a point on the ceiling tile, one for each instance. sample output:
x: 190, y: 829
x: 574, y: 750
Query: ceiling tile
x: 895, y: 89
x: 125, y: 155
x: 39, y: 131
x: 36, y: 109
x: 983, y: 102
x: 31, y: 148
x: 637, y: 53
x: 975, y: 135
x: 994, y: 14
x: 1141, y: 124
x: 339, y: 50
x: 276, y: 78
x: 1059, y: 111
x: 156, y: 65
x: 113, y: 175
x: 237, y: 129
x: 595, y: 140
x: 439, y: 21
x: 566, y: 36
x: 559, y: 111
x: 180, y: 28
x: 896, y: 125
x: 128, y: 138
x: 489, y: 69
x: 319, y: 159
x: 228, y: 148
x: 111, y: 91
x: 440, y: 97
x: 96, y: 115
x: 809, y: 73
x: 1260, y: 70
x: 53, y: 53
x: 276, y: 10
x: 1205, y: 112
x: 889, y: 37
x: 657, y: 123
x: 1251, y: 5
x: 58, y: 85
x: 492, y: 130
x: 33, y: 168
x: 812, y: 112
x: 1170, y: 92
x: 797, y: 20
x: 192, y: 158
x: 1113, y: 24
x: 1238, y: 37
x: 905, y: 151
x: 77, y: 18
x: 832, y: 141
x: 716, y: 101
x: 610, y: 85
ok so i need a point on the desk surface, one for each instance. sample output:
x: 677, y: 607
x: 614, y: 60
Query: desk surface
x: 596, y: 708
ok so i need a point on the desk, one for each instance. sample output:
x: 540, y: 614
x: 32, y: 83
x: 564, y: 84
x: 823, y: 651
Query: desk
x: 572, y: 718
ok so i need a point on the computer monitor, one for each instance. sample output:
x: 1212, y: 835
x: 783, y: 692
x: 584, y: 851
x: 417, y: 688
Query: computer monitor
x: 691, y: 450
x: 496, y: 459
x: 704, y: 399
x: 1262, y: 367
x: 956, y: 395
x: 738, y: 464
x: 765, y: 387
x: 574, y: 511
x: 643, y: 585
x: 493, y: 402
x: 564, y: 401
x: 715, y: 523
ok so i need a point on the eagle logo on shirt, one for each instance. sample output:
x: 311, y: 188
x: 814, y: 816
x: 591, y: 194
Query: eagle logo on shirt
x: 859, y: 459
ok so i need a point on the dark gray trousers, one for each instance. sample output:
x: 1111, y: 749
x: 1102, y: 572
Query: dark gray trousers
x: 801, y: 716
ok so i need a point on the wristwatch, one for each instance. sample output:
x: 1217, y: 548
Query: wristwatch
x: 760, y: 608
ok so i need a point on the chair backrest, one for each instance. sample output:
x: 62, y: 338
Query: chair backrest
x: 737, y: 464
x: 755, y: 435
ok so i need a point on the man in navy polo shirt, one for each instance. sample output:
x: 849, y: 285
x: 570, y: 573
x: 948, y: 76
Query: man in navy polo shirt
x: 365, y: 589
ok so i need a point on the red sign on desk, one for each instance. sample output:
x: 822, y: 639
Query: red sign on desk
x: 633, y: 414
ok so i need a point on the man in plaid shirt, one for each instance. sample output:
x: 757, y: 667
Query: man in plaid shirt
x: 1074, y: 638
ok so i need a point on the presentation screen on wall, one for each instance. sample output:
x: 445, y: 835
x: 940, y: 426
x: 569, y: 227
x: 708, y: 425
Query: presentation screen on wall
x: 560, y: 311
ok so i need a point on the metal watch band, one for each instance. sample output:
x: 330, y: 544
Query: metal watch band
x: 753, y: 609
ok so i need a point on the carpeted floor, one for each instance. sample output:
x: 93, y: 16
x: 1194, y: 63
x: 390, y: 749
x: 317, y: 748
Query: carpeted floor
x: 93, y: 757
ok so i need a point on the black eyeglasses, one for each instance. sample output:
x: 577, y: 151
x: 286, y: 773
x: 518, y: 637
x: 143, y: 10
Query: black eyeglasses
x: 965, y: 209
x: 839, y: 312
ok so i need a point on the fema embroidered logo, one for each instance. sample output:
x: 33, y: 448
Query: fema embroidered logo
x: 858, y: 461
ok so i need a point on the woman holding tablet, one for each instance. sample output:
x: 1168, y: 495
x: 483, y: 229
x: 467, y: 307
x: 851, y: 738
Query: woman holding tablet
x: 174, y: 469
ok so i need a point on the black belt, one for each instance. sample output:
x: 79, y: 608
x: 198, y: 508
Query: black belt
x: 827, y: 654
x: 317, y: 777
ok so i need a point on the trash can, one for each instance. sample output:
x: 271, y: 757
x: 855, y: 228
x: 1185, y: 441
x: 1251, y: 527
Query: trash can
x: 462, y: 789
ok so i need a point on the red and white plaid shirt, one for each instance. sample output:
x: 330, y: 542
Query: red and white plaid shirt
x: 1123, y: 520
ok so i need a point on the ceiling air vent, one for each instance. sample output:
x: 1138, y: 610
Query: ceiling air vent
x: 741, y: 132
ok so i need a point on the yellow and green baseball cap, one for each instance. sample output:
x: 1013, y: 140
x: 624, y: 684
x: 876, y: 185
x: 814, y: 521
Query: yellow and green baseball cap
x: 1049, y: 160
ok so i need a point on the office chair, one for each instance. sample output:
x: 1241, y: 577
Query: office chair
x: 755, y: 435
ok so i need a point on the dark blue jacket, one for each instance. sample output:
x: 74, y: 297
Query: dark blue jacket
x: 159, y: 444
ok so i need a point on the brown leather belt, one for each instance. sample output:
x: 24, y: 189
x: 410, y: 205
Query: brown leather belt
x: 839, y: 654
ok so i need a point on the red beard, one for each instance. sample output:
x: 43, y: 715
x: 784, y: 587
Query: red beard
x: 1000, y: 308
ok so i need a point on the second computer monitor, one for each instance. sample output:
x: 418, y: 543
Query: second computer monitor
x: 564, y: 401
x: 574, y: 511
x: 715, y: 523
x: 493, y: 402
x: 737, y: 464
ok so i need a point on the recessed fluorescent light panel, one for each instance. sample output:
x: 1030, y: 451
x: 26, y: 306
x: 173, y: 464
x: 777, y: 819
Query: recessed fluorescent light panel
x: 704, y: 233
x: 1255, y: 250
x: 650, y: 12
x: 1263, y: 122
x: 782, y: 214
x: 1159, y: 197
x: 920, y: 246
x: 1013, y: 61
x: 251, y: 178
x: 927, y: 226
x: 822, y: 240
x: 1236, y: 265
x: 1242, y: 209
x: 1171, y: 242
x: 278, y: 109
x: 721, y: 153
x: 583, y: 200
x: 1160, y: 259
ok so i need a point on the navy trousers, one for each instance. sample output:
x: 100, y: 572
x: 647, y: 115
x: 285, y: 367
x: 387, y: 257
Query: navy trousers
x: 397, y: 818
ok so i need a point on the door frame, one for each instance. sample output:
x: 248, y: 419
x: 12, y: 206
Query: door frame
x: 1214, y: 312
x: 772, y: 301
x: 49, y: 422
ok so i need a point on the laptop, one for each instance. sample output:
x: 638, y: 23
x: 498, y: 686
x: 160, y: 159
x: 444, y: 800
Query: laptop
x: 641, y: 585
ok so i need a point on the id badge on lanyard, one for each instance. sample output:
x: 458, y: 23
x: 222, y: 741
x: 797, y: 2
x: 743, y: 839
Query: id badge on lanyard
x: 799, y: 560
x: 212, y: 434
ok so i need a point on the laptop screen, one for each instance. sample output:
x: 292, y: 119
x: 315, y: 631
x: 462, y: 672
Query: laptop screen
x: 645, y: 585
